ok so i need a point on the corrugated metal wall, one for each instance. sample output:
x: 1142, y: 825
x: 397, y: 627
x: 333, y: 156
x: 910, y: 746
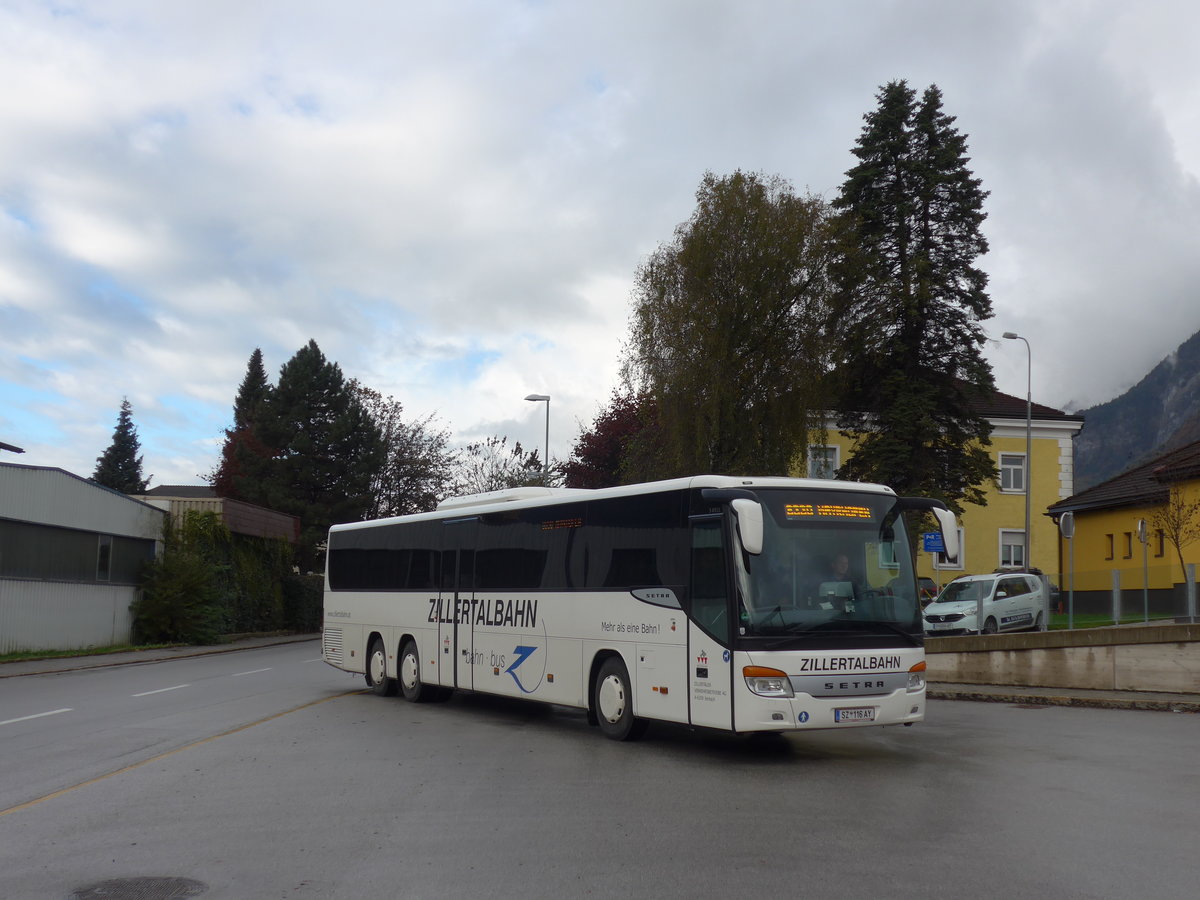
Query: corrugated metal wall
x: 56, y: 497
x: 53, y: 615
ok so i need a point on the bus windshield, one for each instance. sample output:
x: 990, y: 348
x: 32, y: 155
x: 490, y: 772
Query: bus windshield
x: 831, y: 561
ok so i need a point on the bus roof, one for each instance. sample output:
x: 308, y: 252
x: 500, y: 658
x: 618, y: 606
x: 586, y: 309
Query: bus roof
x: 526, y: 497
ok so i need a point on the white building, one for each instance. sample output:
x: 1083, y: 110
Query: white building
x: 70, y: 556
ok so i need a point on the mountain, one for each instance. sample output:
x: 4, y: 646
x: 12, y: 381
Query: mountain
x: 1159, y: 413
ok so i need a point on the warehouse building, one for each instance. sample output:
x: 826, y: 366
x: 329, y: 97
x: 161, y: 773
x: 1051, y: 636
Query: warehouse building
x: 70, y: 556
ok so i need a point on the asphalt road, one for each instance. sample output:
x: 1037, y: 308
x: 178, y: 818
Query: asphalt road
x: 264, y: 774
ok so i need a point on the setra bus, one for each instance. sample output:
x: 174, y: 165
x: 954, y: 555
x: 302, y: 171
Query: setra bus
x: 740, y: 604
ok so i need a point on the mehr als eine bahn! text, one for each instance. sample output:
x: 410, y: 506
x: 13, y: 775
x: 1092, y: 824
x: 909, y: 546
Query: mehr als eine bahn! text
x: 739, y: 604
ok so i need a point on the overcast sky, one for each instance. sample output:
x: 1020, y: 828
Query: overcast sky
x: 452, y: 198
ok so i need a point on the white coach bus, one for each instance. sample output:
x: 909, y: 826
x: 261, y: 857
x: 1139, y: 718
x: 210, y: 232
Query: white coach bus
x: 741, y: 604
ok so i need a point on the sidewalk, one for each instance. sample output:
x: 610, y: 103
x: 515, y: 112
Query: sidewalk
x: 136, y: 657
x: 1053, y: 696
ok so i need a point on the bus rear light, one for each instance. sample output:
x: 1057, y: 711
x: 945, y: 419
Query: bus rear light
x: 767, y: 682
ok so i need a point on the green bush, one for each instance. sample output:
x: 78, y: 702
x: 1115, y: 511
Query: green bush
x: 209, y: 582
x: 179, y: 601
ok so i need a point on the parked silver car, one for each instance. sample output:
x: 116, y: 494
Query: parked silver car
x: 1010, y: 602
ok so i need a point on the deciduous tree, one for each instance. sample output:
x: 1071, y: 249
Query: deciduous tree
x: 727, y: 327
x: 491, y: 465
x: 418, y: 464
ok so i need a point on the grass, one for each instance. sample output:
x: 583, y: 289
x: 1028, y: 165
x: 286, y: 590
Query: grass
x: 1058, y: 621
x: 22, y: 655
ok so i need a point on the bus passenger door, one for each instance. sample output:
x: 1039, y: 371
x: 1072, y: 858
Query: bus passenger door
x: 455, y: 643
x: 710, y: 626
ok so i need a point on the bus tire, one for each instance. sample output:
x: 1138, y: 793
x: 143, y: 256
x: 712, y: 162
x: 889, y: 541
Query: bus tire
x: 613, y: 702
x: 376, y: 674
x: 410, y: 675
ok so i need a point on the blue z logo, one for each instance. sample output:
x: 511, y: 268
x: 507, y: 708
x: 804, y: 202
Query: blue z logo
x: 523, y: 653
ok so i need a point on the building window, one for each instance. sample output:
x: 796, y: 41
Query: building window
x: 1012, y: 548
x: 1012, y: 473
x: 104, y: 558
x: 823, y: 461
x: 1160, y: 542
x: 1129, y: 545
x: 1108, y: 543
x: 944, y: 562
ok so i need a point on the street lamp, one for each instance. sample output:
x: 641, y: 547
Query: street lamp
x: 1013, y: 336
x: 544, y: 398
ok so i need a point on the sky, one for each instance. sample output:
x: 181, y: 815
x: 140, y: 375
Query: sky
x: 453, y: 198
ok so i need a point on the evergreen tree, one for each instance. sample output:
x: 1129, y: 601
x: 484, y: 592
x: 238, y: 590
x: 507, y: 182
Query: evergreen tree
x: 328, y: 450
x: 245, y: 459
x: 120, y: 468
x: 910, y: 303
x: 726, y: 330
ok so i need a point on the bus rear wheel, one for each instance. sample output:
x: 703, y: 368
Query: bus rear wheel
x: 410, y: 675
x: 376, y: 674
x: 613, y: 702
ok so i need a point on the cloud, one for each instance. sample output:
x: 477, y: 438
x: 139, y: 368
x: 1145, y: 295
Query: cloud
x: 453, y: 200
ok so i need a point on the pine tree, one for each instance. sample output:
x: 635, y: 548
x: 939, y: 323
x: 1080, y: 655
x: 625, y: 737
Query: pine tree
x: 328, y: 450
x: 245, y: 459
x: 910, y: 303
x: 120, y: 468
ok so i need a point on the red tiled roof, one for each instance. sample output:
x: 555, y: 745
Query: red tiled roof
x: 1148, y: 483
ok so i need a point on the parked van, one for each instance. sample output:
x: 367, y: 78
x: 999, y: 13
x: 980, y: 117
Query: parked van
x: 1010, y: 602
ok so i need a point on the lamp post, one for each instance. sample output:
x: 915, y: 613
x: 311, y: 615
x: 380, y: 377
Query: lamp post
x: 1013, y: 336
x: 544, y: 398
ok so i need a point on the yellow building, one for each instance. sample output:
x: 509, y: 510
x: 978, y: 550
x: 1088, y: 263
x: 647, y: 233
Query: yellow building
x: 1123, y: 559
x: 993, y: 536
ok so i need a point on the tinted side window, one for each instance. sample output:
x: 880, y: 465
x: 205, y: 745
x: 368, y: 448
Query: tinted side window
x: 388, y: 557
x: 636, y: 541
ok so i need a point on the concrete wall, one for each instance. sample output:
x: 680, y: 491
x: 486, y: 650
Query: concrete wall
x: 1130, y: 658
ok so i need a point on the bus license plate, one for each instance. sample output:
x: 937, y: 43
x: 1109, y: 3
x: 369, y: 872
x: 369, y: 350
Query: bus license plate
x: 854, y: 714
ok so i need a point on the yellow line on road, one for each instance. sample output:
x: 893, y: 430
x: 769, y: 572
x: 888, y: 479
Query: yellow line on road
x: 23, y: 806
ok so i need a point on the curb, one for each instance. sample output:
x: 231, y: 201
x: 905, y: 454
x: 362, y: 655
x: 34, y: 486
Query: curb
x: 59, y: 665
x: 1184, y: 704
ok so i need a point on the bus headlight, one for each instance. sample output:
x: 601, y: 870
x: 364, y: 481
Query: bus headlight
x: 916, y: 677
x: 768, y: 682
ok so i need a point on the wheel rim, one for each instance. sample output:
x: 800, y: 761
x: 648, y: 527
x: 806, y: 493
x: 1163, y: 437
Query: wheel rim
x: 410, y: 676
x: 377, y: 667
x: 611, y: 699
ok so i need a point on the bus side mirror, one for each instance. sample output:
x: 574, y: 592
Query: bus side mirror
x: 949, y: 528
x: 749, y: 517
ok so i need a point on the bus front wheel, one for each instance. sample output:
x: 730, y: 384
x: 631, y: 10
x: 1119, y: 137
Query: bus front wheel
x: 613, y: 702
x: 377, y: 679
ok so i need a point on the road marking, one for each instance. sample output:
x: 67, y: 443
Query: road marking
x: 137, y: 765
x: 53, y: 712
x: 160, y: 690
x: 251, y: 672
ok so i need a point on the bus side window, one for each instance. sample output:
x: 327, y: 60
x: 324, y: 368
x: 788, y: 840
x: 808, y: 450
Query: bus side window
x: 709, y: 600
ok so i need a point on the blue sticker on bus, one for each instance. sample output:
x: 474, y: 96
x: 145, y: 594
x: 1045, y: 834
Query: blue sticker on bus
x: 803, y: 717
